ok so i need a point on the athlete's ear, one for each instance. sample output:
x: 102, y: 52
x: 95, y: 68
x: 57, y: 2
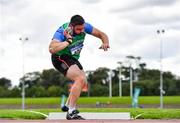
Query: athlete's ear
x: 71, y: 25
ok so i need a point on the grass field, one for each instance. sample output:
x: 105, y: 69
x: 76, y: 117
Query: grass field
x: 135, y: 113
x: 93, y: 100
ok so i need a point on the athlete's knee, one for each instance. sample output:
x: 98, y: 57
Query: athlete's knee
x: 81, y: 79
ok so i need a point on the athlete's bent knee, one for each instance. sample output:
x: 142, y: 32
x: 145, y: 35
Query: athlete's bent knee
x: 81, y: 80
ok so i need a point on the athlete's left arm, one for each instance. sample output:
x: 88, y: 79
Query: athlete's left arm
x: 104, y: 38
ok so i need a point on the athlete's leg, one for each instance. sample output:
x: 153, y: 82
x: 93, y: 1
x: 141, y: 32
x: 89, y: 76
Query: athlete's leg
x: 79, y: 78
x: 84, y: 88
x: 72, y: 69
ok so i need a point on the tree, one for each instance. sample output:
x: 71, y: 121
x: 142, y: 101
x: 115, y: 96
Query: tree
x: 6, y: 83
x: 30, y: 79
x: 55, y: 91
x: 15, y: 92
x: 36, y: 91
x: 99, y: 90
x: 99, y: 76
x: 2, y: 92
x: 52, y: 77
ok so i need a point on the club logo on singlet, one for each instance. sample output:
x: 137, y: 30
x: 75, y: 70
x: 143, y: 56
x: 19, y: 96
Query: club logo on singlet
x: 76, y: 47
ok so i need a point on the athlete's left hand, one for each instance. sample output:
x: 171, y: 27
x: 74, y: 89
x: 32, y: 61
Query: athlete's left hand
x: 104, y: 46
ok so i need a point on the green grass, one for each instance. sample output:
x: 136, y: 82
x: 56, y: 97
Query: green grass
x: 93, y: 100
x: 138, y: 113
x: 15, y: 114
x: 41, y: 101
x: 141, y: 113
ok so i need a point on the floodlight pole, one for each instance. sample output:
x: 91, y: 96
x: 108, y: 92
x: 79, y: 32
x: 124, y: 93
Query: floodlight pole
x: 23, y: 40
x: 131, y: 81
x: 110, y: 83
x: 131, y: 74
x: 120, y: 81
x: 159, y: 32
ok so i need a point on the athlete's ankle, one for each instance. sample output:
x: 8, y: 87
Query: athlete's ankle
x: 71, y: 109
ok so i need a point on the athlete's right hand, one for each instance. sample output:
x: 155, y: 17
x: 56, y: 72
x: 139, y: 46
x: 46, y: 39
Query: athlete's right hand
x: 67, y: 35
x: 104, y: 46
x: 68, y: 32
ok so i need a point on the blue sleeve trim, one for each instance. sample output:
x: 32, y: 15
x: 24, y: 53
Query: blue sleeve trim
x: 59, y: 35
x: 88, y: 28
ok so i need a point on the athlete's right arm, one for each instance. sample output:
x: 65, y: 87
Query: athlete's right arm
x: 56, y: 46
x: 61, y: 40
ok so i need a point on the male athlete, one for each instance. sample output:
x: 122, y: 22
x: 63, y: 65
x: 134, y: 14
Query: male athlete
x: 65, y: 48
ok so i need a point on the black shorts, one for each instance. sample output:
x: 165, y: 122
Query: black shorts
x: 63, y: 62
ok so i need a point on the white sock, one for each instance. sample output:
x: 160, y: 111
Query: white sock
x: 71, y: 109
x: 67, y: 105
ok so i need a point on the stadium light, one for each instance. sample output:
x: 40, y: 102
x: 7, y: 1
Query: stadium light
x: 23, y: 40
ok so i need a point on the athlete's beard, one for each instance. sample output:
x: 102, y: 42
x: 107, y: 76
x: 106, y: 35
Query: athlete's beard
x: 74, y: 33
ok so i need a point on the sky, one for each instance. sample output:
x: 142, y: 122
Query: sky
x: 131, y: 26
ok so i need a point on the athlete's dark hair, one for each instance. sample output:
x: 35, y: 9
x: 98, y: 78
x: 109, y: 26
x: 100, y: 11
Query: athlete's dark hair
x: 77, y: 20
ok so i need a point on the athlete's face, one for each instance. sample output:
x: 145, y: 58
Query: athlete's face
x: 78, y: 29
